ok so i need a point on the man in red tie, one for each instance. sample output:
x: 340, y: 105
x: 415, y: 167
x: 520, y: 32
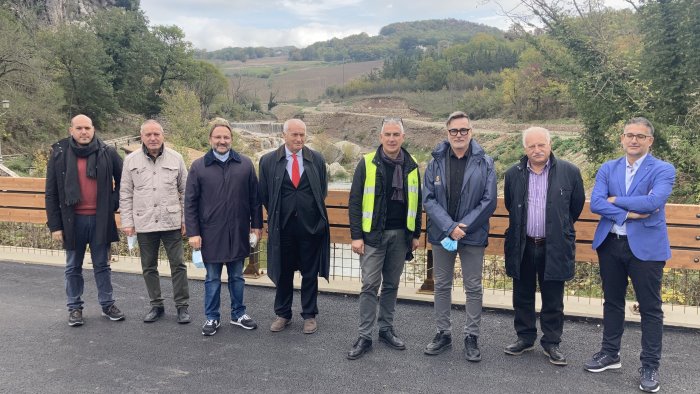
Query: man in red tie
x: 298, y: 230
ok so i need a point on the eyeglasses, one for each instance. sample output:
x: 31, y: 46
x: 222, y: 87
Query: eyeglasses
x: 391, y: 119
x: 639, y: 137
x: 462, y: 131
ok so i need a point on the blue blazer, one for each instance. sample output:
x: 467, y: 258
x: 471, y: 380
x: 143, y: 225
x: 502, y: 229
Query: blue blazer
x: 650, y: 188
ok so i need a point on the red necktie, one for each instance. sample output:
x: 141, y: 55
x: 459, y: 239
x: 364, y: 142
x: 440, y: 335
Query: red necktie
x: 295, y: 171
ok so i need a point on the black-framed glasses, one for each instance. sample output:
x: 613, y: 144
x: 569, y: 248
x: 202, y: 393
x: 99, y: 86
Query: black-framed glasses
x: 639, y: 137
x: 462, y: 131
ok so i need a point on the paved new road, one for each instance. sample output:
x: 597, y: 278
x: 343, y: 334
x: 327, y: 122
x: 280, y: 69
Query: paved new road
x: 39, y: 352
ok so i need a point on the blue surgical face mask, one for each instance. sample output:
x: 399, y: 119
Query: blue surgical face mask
x: 197, y: 258
x: 449, y: 244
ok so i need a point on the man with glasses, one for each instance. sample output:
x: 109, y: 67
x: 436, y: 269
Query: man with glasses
x: 631, y: 239
x: 385, y: 224
x: 544, y: 196
x: 460, y: 196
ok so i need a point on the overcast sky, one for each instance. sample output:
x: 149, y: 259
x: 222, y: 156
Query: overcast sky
x: 215, y: 24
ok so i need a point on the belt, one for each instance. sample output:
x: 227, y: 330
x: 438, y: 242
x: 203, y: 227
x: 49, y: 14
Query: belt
x: 616, y: 236
x: 536, y: 241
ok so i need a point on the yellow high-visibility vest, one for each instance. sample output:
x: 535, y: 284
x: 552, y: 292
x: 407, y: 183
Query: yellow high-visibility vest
x: 369, y: 193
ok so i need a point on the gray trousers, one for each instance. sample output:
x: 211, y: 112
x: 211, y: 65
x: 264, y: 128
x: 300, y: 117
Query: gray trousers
x: 472, y: 258
x: 381, y: 265
x: 149, y: 243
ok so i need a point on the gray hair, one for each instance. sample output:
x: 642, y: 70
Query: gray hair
x: 643, y: 121
x: 397, y: 121
x: 151, y: 121
x: 285, y: 126
x: 535, y: 129
x: 456, y: 115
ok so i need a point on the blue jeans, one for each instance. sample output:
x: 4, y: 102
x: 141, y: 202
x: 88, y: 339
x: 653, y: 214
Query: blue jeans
x: 84, y: 235
x: 212, y: 289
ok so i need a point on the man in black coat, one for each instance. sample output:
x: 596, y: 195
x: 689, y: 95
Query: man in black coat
x: 222, y: 212
x: 544, y: 196
x: 82, y: 194
x: 298, y: 229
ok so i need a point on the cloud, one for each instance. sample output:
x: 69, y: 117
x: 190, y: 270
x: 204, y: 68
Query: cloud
x: 214, y: 34
x: 214, y: 24
x: 314, y: 9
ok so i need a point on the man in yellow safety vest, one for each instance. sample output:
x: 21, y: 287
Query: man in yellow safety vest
x: 385, y: 224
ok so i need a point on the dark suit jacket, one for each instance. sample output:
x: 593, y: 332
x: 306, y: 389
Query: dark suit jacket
x: 565, y: 199
x: 272, y: 168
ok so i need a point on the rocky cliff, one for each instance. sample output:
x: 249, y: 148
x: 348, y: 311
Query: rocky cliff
x: 59, y: 11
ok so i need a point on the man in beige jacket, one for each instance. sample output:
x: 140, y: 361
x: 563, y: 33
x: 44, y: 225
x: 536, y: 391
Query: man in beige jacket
x: 151, y: 202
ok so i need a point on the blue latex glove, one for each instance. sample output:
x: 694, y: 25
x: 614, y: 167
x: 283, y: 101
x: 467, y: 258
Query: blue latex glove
x: 449, y: 244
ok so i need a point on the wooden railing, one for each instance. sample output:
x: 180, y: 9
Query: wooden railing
x: 22, y: 201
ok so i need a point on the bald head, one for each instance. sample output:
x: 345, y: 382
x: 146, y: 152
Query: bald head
x: 81, y: 129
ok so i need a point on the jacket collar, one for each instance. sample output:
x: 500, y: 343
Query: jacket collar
x: 145, y: 150
x: 210, y: 159
x: 409, y: 164
x: 442, y: 149
x: 306, y: 154
x: 522, y: 164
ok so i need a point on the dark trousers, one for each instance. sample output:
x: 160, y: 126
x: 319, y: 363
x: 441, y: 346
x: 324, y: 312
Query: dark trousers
x: 85, y: 235
x: 617, y: 263
x: 300, y: 251
x: 149, y: 243
x: 552, y: 291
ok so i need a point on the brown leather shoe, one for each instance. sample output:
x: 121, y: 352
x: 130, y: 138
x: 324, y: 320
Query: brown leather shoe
x: 280, y: 324
x: 310, y: 326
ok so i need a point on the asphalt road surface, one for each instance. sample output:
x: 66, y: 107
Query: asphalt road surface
x: 40, y: 353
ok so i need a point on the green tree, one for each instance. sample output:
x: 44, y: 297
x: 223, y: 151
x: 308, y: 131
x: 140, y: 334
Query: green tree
x: 81, y: 66
x: 207, y: 82
x: 127, y: 41
x: 432, y: 74
x: 182, y: 117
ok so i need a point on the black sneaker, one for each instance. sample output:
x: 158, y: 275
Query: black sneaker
x: 246, y: 322
x: 154, y: 314
x: 471, y: 349
x: 555, y: 355
x: 649, y: 379
x: 183, y: 317
x: 113, y: 313
x: 441, y: 343
x: 602, y: 361
x: 210, y: 326
x: 75, y: 317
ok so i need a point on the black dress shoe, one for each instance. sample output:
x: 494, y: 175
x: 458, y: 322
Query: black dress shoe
x: 471, y: 349
x: 361, y: 346
x: 183, y: 317
x: 518, y: 348
x: 390, y: 338
x: 555, y: 355
x: 154, y: 314
x: 441, y: 343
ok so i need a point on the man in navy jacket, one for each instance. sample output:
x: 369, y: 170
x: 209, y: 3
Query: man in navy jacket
x: 459, y: 198
x: 221, y: 210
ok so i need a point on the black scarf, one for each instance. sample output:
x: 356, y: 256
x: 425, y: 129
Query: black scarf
x: 397, y: 179
x: 72, y: 186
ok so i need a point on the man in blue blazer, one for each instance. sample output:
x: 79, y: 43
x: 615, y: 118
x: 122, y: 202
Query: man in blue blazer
x: 632, y: 241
